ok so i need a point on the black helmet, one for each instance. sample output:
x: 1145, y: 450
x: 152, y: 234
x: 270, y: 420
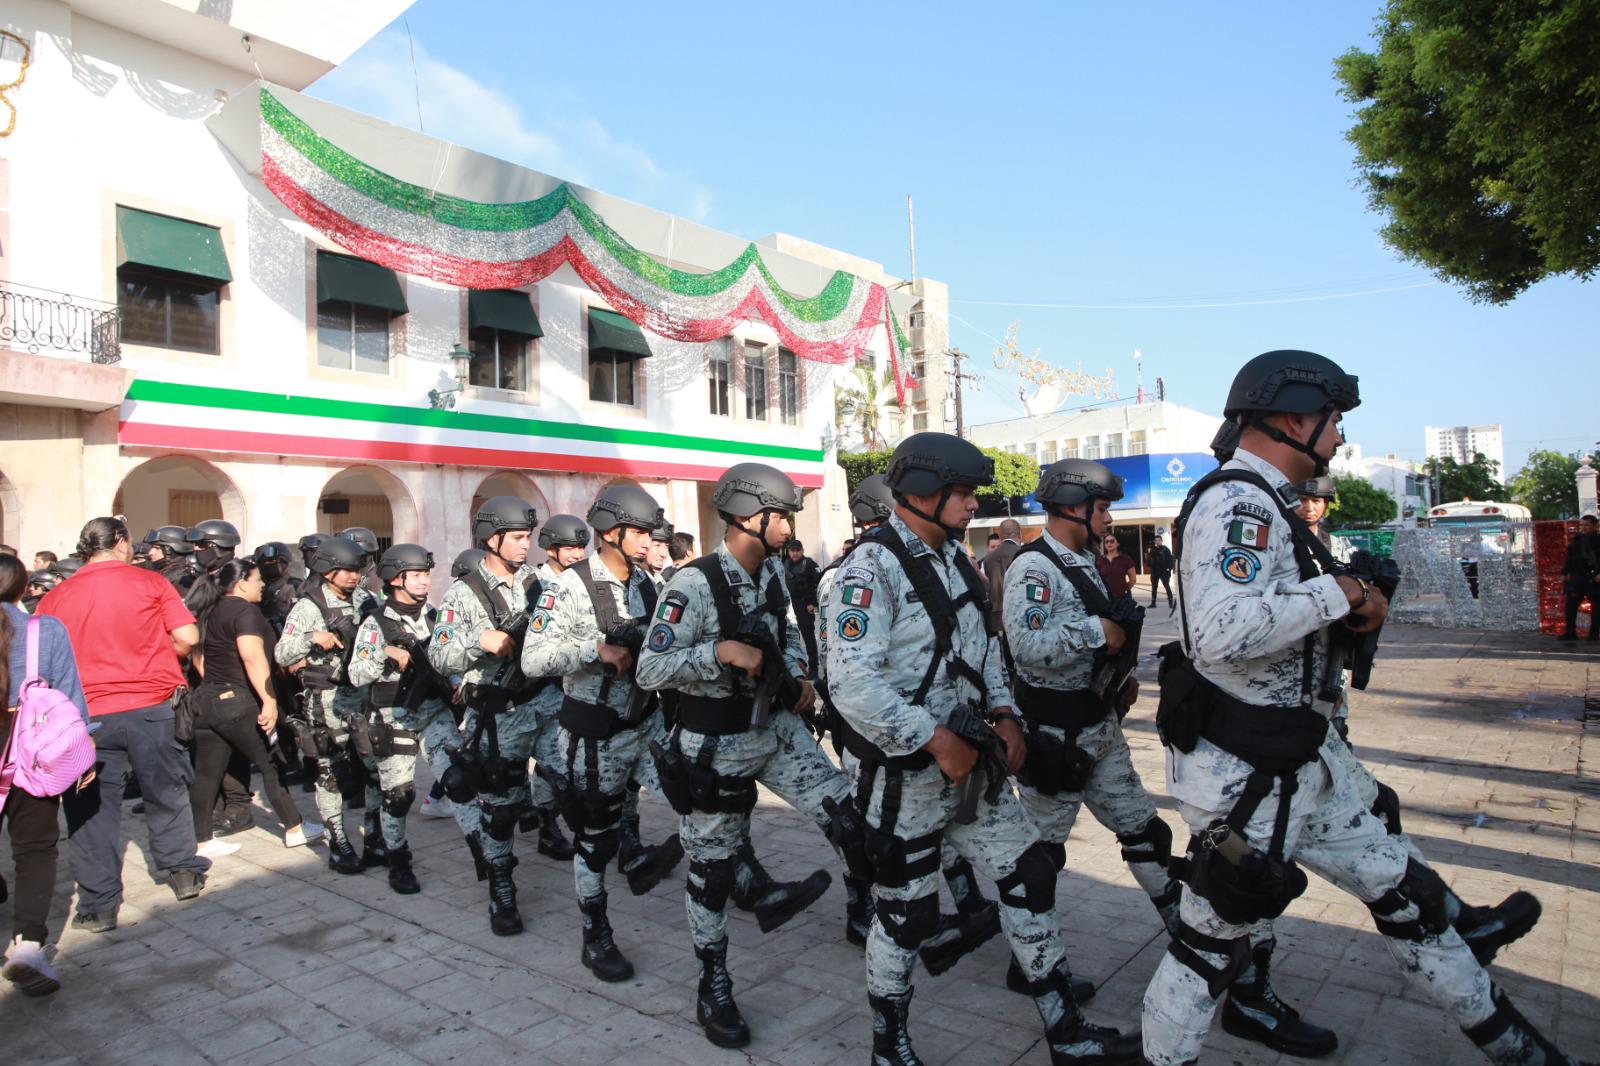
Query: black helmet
x: 1294, y: 382
x: 564, y: 531
x: 501, y: 514
x: 663, y: 533
x: 1320, y: 487
x: 273, y: 551
x: 925, y: 463
x: 214, y: 531
x: 65, y: 568
x: 171, y: 539
x: 309, y: 544
x: 45, y: 579
x: 622, y: 504
x: 467, y: 562
x: 872, y: 501
x: 751, y: 488
x: 401, y: 558
x: 1069, y: 482
x: 337, y: 553
x: 364, y: 537
x: 1226, y: 442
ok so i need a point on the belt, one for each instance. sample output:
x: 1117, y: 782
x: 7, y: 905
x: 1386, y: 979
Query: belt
x: 1063, y: 708
x: 714, y: 715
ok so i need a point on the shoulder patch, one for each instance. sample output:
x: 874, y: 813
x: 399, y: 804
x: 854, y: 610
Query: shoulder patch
x: 856, y: 596
x: 288, y: 629
x: 671, y: 608
x: 1247, y: 534
x: 540, y: 619
x: 1038, y: 577
x: 547, y: 600
x: 1034, y: 618
x: 444, y: 634
x: 852, y: 624
x: 661, y: 637
x: 857, y: 573
x: 1253, y: 511
x: 1239, y: 566
x: 1036, y: 592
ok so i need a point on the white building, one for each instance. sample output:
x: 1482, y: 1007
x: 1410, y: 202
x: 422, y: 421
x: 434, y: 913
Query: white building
x: 1401, y: 478
x: 1461, y: 443
x: 218, y: 296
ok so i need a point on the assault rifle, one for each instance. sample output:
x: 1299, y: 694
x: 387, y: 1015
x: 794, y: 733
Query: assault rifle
x: 989, y: 773
x: 776, y: 684
x: 1351, y: 650
x: 419, y: 680
x: 1110, y: 671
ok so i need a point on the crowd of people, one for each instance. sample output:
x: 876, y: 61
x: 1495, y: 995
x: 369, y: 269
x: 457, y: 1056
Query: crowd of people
x: 970, y: 715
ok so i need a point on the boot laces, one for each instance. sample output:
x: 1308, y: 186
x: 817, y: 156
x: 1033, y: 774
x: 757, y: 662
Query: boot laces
x: 719, y: 983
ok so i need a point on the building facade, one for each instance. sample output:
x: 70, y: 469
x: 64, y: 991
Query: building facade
x: 1401, y: 478
x: 232, y: 299
x: 1461, y: 443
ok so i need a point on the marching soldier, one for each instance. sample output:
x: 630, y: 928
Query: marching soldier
x: 725, y: 638
x: 172, y: 554
x: 915, y: 675
x: 1251, y: 755
x: 587, y: 630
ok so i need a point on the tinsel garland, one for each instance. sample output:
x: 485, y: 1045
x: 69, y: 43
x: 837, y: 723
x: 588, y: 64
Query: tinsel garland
x: 1550, y: 540
x: 488, y: 246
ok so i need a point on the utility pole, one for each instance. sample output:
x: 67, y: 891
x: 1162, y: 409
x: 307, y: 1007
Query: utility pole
x: 911, y: 236
x: 957, y: 376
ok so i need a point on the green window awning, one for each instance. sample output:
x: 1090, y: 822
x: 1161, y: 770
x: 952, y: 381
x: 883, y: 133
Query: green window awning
x: 174, y: 245
x: 358, y: 281
x: 607, y: 329
x: 507, y: 309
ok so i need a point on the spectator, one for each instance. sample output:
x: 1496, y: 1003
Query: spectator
x: 31, y: 820
x: 681, y: 550
x: 849, y: 543
x: 988, y: 548
x: 129, y: 628
x: 995, y: 563
x: 1581, y: 578
x: 235, y: 702
x: 1161, y: 564
x: 42, y: 560
x: 801, y: 573
x: 1116, y: 568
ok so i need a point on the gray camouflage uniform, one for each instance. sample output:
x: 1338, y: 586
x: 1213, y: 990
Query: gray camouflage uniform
x: 562, y: 642
x: 879, y: 644
x: 1248, y: 613
x: 546, y: 744
x: 331, y: 705
x: 455, y: 651
x: 431, y: 723
x: 680, y: 653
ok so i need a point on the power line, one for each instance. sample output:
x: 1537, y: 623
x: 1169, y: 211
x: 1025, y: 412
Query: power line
x: 1199, y: 306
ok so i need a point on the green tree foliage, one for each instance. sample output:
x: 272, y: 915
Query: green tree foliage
x: 1359, y: 505
x: 1478, y: 136
x: 858, y: 466
x: 1470, y: 481
x: 858, y: 405
x: 1014, y: 474
x: 1545, y: 485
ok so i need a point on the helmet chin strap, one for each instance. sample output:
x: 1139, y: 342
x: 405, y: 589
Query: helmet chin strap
x: 1059, y: 511
x: 759, y: 534
x: 1307, y: 448
x: 953, y: 532
x: 511, y: 566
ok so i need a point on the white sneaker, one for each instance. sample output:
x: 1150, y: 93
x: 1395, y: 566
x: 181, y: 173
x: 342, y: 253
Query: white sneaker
x: 27, y: 969
x: 302, y: 834
x: 215, y: 849
x: 436, y: 808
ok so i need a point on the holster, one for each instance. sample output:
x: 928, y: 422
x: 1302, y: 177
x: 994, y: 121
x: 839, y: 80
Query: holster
x: 380, y: 736
x: 847, y: 832
x: 1256, y: 888
x: 1054, y: 765
x: 889, y: 853
x: 1185, y: 705
x: 463, y: 778
x: 496, y: 775
x: 568, y: 803
x: 360, y: 730
x: 314, y: 741
x: 674, y: 774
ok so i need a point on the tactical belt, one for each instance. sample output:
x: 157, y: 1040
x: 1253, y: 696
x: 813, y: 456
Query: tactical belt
x: 714, y: 715
x: 1065, y: 709
x: 595, y: 721
x: 870, y: 754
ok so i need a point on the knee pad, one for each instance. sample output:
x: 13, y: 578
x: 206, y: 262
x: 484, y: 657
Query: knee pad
x: 1387, y: 809
x: 1031, y: 885
x: 1188, y: 942
x: 499, y: 820
x: 1422, y: 889
x: 397, y: 801
x: 1057, y: 853
x: 909, y: 922
x: 597, y: 849
x: 1153, y: 843
x: 711, y: 882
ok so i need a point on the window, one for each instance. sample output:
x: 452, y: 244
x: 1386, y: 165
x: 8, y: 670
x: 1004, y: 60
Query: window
x: 611, y: 376
x: 352, y: 337
x: 168, y: 312
x: 919, y: 422
x: 499, y: 359
x: 1091, y: 447
x: 719, y: 378
x: 755, y: 382
x: 1048, y: 456
x: 788, y: 387
x: 916, y: 320
x: 1069, y: 448
x: 1136, y: 443
x: 919, y: 366
x: 1113, y: 445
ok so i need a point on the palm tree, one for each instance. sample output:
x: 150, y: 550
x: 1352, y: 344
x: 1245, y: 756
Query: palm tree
x: 858, y: 406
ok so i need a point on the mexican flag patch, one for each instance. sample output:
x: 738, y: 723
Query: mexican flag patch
x: 856, y: 596
x: 669, y: 611
x: 546, y: 601
x: 1247, y: 534
x: 1037, y: 593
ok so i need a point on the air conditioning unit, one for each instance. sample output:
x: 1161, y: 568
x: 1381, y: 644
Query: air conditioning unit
x: 334, y: 505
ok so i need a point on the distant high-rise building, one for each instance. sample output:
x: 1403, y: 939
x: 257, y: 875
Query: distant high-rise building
x: 1461, y: 443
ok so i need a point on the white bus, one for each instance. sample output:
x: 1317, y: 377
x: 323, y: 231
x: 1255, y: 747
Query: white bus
x: 1477, y: 513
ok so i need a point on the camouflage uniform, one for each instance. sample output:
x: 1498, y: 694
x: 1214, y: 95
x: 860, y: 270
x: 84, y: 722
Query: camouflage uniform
x: 1248, y: 612
x: 546, y: 742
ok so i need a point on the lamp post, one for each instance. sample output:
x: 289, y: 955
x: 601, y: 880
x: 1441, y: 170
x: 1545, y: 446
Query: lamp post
x: 444, y: 397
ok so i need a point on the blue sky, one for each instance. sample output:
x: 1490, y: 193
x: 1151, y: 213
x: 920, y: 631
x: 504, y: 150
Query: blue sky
x: 1140, y: 157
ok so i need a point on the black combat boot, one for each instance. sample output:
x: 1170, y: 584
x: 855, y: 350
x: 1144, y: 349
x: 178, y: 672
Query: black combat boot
x: 858, y: 910
x: 957, y: 936
x: 401, y: 878
x: 718, y: 1013
x: 773, y: 902
x: 342, y: 858
x: 652, y: 864
x: 1254, y: 1012
x: 600, y: 952
x: 503, y: 917
x: 891, y: 1043
x: 1488, y: 929
x: 1508, y: 1038
x: 1083, y: 989
x: 475, y: 846
x: 1073, y: 1039
x: 552, y: 841
x: 374, y: 852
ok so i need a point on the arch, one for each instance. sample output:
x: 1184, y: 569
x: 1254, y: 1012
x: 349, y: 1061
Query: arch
x: 512, y: 483
x: 369, y: 496
x: 11, y: 516
x: 178, y: 490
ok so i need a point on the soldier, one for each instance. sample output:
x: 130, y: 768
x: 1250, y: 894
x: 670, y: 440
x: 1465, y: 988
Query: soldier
x: 214, y: 542
x: 481, y: 624
x: 1316, y: 496
x: 466, y: 562
x: 801, y: 574
x: 369, y: 544
x: 1071, y: 659
x: 588, y: 626
x: 175, y: 563
x: 317, y: 640
x: 658, y: 555
x: 308, y: 545
x: 410, y: 702
x: 735, y: 725
x: 280, y: 590
x: 908, y: 615
x: 1251, y: 755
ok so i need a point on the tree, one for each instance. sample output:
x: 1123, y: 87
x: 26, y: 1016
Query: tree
x: 1546, y: 485
x: 1477, y: 480
x: 1478, y: 136
x: 858, y: 466
x: 1359, y: 505
x: 1015, y: 474
x: 858, y: 405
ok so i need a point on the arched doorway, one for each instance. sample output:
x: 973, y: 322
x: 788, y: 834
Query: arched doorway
x: 11, y: 516
x: 372, y: 497
x: 178, y: 490
x: 510, y: 483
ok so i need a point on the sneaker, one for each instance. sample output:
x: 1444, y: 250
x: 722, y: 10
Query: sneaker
x: 215, y: 849
x: 27, y: 969
x: 95, y: 921
x: 186, y: 884
x: 302, y: 834
x: 437, y: 808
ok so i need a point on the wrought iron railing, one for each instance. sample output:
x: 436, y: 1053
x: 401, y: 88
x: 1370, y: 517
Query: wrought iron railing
x: 38, y: 320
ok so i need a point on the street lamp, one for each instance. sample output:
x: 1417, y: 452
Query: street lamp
x: 444, y: 397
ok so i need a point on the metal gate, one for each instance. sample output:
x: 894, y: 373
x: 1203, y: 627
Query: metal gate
x: 1460, y: 578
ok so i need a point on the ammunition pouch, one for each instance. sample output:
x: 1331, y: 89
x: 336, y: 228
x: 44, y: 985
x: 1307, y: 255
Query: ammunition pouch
x: 1193, y: 707
x: 847, y: 832
x: 359, y: 728
x: 463, y: 778
x: 593, y: 721
x: 1257, y: 888
x: 1055, y: 765
x: 673, y: 773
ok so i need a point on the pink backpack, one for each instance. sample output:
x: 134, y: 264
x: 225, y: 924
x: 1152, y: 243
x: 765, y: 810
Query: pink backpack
x: 49, y: 747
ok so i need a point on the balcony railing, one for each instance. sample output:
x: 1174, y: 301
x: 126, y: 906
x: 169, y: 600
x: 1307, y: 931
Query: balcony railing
x: 36, y: 320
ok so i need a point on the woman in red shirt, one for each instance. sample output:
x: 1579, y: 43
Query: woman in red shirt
x: 1116, y: 569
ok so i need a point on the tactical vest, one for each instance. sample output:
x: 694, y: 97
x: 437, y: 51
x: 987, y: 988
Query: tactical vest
x: 501, y: 616
x: 321, y: 666
x: 1069, y: 709
x: 721, y: 715
x: 386, y: 691
x: 596, y: 719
